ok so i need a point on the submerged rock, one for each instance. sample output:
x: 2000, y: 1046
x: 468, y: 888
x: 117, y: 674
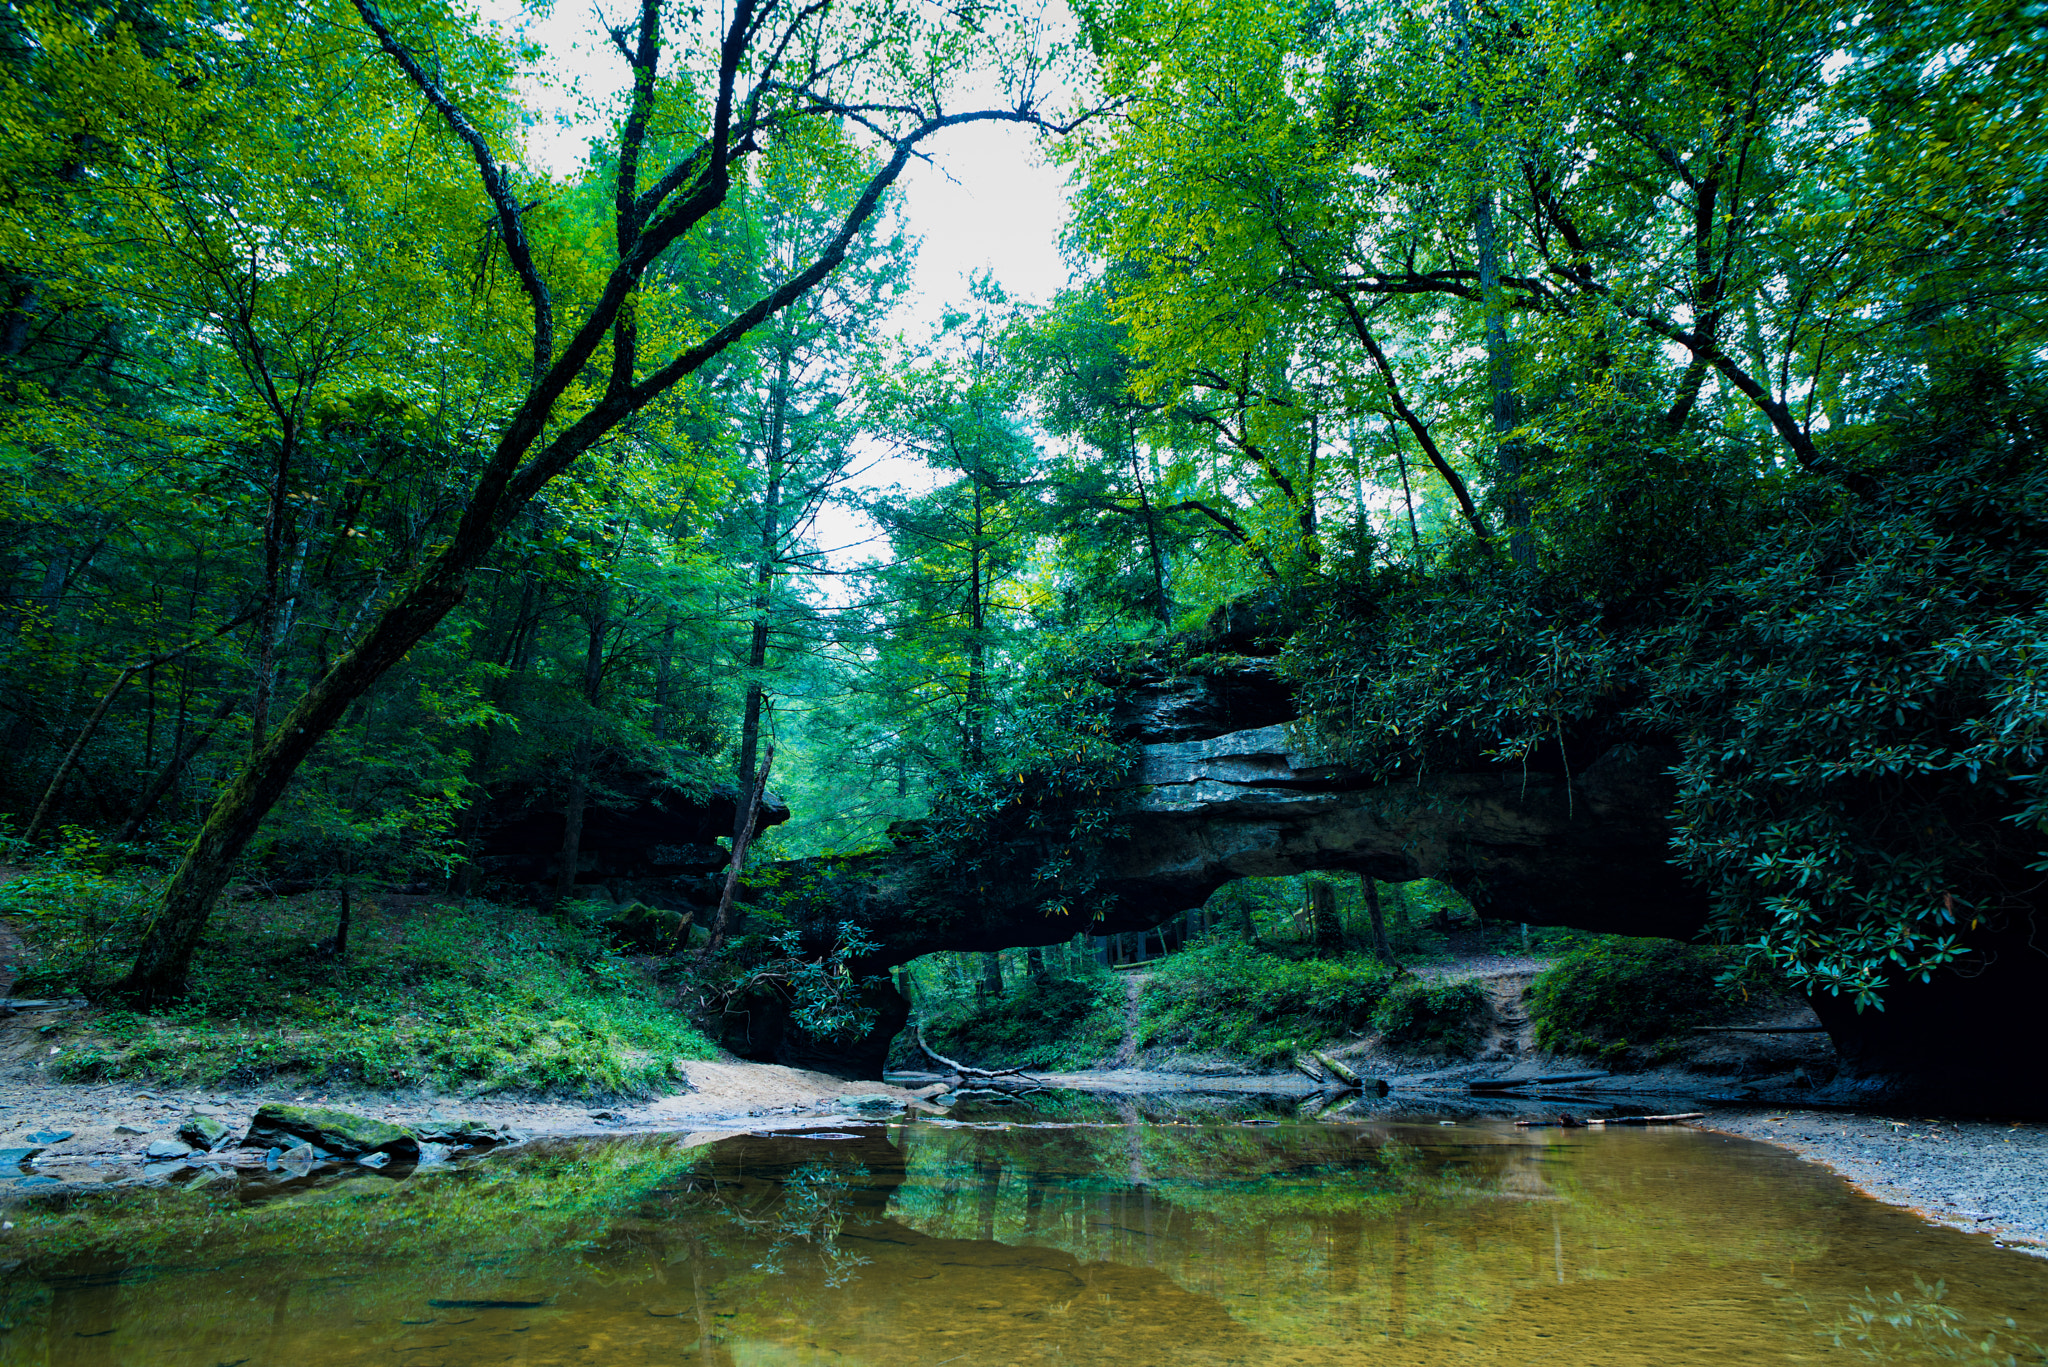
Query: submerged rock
x: 341, y: 1134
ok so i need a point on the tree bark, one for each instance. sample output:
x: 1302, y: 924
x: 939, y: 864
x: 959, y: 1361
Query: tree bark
x: 991, y: 977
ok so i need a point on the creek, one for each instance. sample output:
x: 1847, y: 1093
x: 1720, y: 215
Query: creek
x: 1066, y: 1228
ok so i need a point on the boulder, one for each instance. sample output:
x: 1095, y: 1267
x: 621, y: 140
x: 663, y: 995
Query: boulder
x: 468, y: 1133
x: 205, y: 1132
x: 166, y: 1148
x: 338, y: 1133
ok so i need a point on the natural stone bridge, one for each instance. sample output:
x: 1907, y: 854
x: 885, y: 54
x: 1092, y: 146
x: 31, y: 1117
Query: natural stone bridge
x: 1221, y: 792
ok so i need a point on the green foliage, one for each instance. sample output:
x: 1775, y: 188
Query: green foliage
x: 1432, y: 1015
x: 824, y: 998
x: 1230, y: 999
x: 1617, y: 994
x: 453, y: 996
x: 1052, y: 1023
x: 1865, y: 713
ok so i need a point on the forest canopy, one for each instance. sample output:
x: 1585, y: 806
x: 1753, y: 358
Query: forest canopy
x: 1562, y: 373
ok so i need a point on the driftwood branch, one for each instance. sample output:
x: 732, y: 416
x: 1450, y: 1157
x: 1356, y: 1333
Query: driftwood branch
x: 961, y: 1068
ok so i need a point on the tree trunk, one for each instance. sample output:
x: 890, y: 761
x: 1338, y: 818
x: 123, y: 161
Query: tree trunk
x: 585, y: 756
x: 991, y: 976
x: 1380, y: 947
x: 765, y: 565
x: 342, y: 925
x: 1323, y: 920
x: 181, y: 756
x: 1500, y: 360
x: 1034, y: 963
x: 743, y: 835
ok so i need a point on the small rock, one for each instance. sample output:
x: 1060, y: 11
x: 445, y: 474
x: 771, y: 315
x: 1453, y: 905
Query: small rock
x: 50, y: 1136
x: 873, y: 1101
x: 432, y: 1154
x: 161, y: 1170
x: 205, y: 1132
x: 167, y: 1148
x: 607, y: 1115
x: 128, y: 1129
x: 302, y: 1153
x: 14, y: 1158
x: 374, y: 1160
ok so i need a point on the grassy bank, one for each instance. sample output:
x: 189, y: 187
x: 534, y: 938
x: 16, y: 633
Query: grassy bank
x: 459, y: 996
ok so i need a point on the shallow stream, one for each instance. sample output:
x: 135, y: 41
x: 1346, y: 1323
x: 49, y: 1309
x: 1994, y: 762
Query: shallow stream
x: 1072, y: 1230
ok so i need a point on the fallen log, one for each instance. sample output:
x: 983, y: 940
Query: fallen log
x: 1508, y: 1084
x: 1342, y: 1072
x: 1650, y: 1119
x: 1759, y: 1029
x: 1308, y: 1069
x: 965, y: 1070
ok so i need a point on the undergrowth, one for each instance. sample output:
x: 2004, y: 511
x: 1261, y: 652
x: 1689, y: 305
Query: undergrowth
x: 1055, y: 1023
x: 1616, y: 994
x: 461, y: 997
x: 1222, y: 997
x: 1432, y: 1015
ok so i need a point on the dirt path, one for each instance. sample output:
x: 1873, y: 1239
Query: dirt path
x: 1134, y: 994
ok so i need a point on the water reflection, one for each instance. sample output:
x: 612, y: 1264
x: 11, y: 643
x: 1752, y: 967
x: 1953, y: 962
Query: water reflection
x: 1114, y: 1235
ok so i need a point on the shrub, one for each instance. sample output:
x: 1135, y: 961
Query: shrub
x: 1432, y: 1015
x: 1230, y: 998
x: 1615, y: 992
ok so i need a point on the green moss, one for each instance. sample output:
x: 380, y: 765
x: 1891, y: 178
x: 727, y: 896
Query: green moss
x: 1616, y: 994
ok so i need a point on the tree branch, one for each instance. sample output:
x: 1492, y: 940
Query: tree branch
x: 496, y: 184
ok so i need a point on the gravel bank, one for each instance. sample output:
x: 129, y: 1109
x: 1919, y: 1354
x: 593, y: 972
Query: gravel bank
x: 1986, y: 1177
x: 99, y: 1134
